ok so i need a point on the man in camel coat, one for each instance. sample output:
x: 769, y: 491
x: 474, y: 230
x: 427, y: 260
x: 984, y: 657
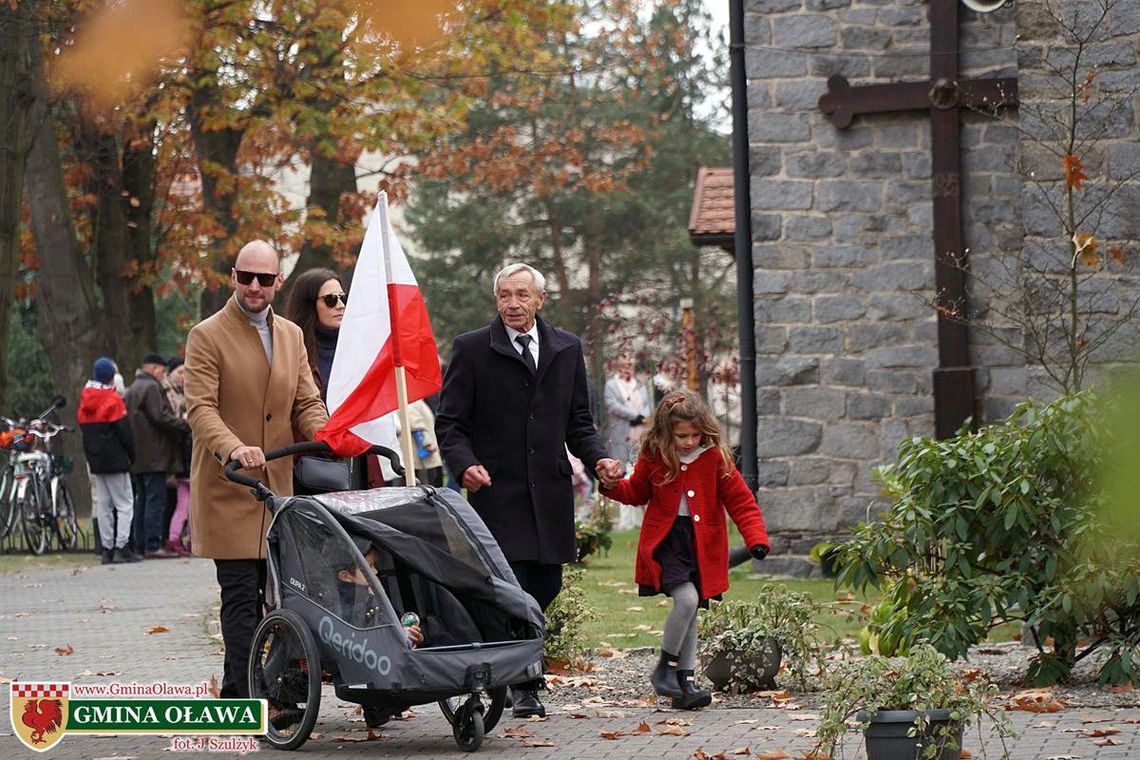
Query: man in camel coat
x: 248, y: 384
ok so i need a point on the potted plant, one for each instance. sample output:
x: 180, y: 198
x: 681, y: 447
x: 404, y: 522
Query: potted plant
x: 743, y: 643
x: 907, y: 707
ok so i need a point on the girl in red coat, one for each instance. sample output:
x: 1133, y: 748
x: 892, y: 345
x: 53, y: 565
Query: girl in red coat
x: 685, y: 473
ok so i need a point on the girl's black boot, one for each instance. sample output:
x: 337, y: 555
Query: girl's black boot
x: 691, y: 697
x: 664, y: 677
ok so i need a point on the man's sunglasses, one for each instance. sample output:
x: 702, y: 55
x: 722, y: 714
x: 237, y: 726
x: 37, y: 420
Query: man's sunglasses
x: 264, y: 279
x: 331, y: 299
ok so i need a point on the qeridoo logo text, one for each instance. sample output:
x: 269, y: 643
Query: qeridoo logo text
x: 358, y: 651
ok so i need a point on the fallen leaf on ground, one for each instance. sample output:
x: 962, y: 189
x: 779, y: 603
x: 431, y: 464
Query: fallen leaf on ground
x: 22, y: 614
x: 1089, y: 719
x: 370, y: 737
x: 675, y: 722
x: 642, y: 728
x: 215, y: 689
x: 627, y: 591
x: 106, y: 606
x: 740, y: 751
x: 515, y: 732
x: 1044, y: 724
x: 1121, y: 688
x: 612, y: 713
x: 610, y: 734
x: 804, y: 716
x: 65, y: 650
x: 804, y: 732
x: 1110, y: 742
x: 773, y: 754
x: 1035, y: 700
x: 635, y: 608
x: 13, y: 638
x: 537, y: 743
x: 1095, y: 732
x: 746, y: 722
x: 98, y: 673
x: 673, y: 731
x: 33, y: 585
x: 158, y: 629
x: 537, y: 719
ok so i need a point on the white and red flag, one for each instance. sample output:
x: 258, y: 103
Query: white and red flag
x: 385, y: 334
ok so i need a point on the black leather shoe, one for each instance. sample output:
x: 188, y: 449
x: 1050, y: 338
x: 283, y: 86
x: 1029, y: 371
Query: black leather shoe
x: 527, y: 704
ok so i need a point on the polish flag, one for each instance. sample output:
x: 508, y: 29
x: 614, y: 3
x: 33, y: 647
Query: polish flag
x: 385, y: 326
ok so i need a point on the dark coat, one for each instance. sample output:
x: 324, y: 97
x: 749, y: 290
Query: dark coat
x: 158, y: 430
x: 711, y: 488
x: 108, y: 441
x: 494, y: 413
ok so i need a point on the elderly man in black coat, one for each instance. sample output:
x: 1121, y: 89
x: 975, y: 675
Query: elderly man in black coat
x: 514, y: 398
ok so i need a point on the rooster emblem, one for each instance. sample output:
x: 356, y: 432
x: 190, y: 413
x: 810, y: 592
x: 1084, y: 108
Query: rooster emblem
x: 43, y: 716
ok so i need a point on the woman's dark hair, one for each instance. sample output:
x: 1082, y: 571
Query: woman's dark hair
x: 302, y: 306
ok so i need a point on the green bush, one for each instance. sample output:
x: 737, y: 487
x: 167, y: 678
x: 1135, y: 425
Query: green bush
x: 1007, y: 523
x: 564, y: 619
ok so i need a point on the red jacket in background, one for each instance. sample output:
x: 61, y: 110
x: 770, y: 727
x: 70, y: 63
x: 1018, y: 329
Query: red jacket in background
x: 108, y: 441
x: 711, y: 488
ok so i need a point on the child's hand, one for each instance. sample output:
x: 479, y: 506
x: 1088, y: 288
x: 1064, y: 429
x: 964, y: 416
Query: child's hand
x: 415, y: 635
x: 759, y: 551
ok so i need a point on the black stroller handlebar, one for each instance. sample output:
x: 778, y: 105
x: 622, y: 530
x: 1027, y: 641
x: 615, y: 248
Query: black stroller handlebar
x: 261, y: 491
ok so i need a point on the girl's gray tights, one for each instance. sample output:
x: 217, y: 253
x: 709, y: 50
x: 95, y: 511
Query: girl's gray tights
x: 680, y: 633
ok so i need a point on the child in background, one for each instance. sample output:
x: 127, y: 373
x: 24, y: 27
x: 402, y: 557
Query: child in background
x: 686, y: 474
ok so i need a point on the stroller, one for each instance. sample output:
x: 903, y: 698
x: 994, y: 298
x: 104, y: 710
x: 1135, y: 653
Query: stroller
x: 433, y: 557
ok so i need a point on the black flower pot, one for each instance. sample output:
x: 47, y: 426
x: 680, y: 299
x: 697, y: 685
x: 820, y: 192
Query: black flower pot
x: 887, y: 735
x: 763, y: 664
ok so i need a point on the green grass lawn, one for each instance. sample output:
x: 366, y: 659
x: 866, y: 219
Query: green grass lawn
x: 623, y: 619
x: 17, y: 563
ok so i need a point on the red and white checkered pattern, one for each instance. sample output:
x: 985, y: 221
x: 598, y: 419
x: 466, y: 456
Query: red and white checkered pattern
x: 40, y: 690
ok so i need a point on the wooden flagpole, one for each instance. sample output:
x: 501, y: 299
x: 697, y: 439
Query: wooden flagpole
x: 407, y: 454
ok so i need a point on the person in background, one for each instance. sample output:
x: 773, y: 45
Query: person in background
x: 248, y: 385
x: 316, y: 305
x: 109, y: 444
x: 428, y: 463
x: 176, y: 395
x: 627, y: 406
x: 158, y: 440
x: 686, y: 474
x: 514, y: 397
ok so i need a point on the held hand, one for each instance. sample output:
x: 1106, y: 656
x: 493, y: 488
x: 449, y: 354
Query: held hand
x: 609, y: 472
x: 637, y: 420
x: 475, y: 477
x: 759, y: 551
x: 249, y: 457
x: 415, y: 635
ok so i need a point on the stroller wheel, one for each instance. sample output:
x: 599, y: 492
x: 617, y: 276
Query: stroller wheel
x: 493, y: 702
x: 285, y: 670
x: 468, y: 725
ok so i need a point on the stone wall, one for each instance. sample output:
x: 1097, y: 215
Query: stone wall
x: 844, y: 254
x: 842, y: 230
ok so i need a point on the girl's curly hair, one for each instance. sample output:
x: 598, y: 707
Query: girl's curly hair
x: 682, y: 406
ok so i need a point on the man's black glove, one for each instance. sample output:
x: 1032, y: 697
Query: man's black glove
x: 759, y: 551
x: 637, y: 420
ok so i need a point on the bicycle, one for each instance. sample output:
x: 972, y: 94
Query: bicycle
x: 37, y: 498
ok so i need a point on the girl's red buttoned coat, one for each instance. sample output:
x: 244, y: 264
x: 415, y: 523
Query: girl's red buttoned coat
x: 711, y: 488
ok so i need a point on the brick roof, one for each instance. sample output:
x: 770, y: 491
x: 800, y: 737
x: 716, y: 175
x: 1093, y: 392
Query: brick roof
x: 712, y: 219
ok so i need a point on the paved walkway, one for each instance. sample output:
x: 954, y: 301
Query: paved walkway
x: 104, y: 616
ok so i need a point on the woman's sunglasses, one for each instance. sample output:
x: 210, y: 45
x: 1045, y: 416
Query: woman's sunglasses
x: 264, y: 279
x: 331, y: 299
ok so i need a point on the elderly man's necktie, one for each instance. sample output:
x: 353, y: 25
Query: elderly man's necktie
x: 528, y: 357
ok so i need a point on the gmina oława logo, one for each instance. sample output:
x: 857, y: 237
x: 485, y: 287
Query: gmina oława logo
x: 42, y: 713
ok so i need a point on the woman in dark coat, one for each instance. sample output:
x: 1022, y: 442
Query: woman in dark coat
x: 316, y: 305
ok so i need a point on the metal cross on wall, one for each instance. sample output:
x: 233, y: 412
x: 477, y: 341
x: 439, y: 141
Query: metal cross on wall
x: 943, y: 96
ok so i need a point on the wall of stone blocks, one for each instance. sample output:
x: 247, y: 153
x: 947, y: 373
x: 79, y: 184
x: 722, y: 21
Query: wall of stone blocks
x: 844, y: 255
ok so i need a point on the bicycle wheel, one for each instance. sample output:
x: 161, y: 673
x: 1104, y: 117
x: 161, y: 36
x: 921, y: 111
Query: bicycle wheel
x: 8, y: 512
x: 64, y: 524
x: 32, y: 506
x: 285, y: 669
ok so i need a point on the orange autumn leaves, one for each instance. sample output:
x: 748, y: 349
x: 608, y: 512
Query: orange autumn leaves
x: 120, y: 48
x: 1085, y: 245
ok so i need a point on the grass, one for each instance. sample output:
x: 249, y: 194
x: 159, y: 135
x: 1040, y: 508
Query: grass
x: 625, y: 620
x: 18, y: 563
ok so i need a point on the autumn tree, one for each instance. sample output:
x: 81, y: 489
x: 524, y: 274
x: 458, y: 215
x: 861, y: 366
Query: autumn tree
x: 580, y: 161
